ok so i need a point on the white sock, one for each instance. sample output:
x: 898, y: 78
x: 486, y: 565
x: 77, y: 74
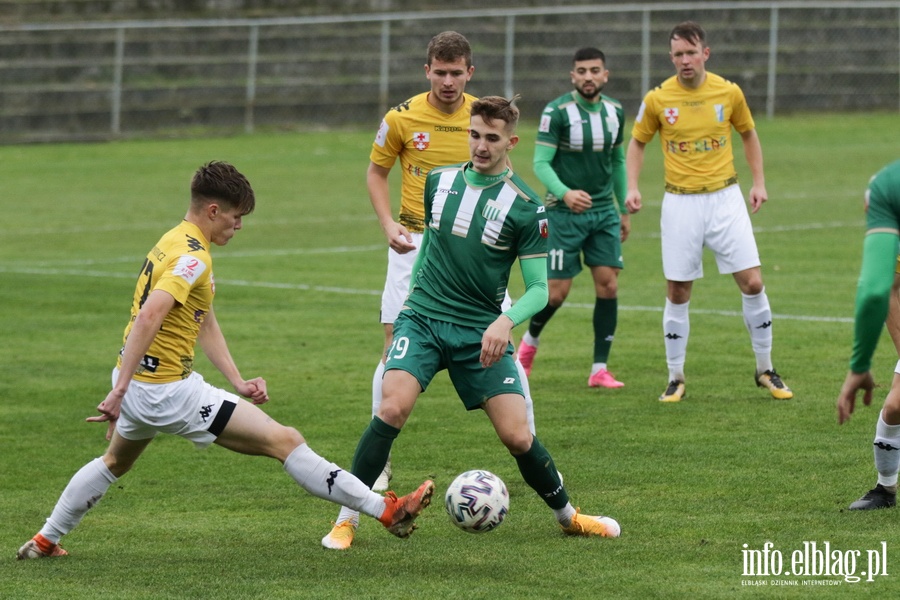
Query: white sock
x: 531, y: 340
x: 598, y: 367
x: 887, y: 452
x: 526, y: 389
x: 376, y: 387
x: 564, y: 515
x: 84, y: 491
x: 326, y: 480
x: 677, y: 328
x: 758, y: 320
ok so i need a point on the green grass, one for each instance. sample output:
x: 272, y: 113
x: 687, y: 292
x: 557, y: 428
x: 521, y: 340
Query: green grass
x: 298, y: 295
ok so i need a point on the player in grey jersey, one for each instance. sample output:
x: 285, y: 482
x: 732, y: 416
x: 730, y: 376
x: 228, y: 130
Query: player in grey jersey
x: 480, y: 218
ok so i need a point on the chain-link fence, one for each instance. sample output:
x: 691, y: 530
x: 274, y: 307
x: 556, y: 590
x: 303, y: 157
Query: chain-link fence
x: 107, y: 80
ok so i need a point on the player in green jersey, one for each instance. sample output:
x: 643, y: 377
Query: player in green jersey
x: 579, y: 157
x: 877, y: 296
x: 424, y: 132
x: 480, y: 218
x: 155, y: 389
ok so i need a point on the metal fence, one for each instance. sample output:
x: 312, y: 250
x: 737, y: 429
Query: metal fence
x: 116, y: 79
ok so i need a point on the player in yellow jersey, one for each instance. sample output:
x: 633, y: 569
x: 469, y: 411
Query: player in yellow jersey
x: 155, y: 389
x: 694, y: 112
x: 426, y: 131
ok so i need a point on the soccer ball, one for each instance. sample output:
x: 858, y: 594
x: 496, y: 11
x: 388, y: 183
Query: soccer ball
x: 477, y: 501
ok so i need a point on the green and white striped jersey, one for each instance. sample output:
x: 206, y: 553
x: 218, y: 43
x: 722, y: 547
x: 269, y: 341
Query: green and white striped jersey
x: 584, y: 135
x: 477, y: 226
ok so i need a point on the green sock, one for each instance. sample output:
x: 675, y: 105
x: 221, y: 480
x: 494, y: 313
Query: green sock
x: 540, y: 473
x: 373, y: 450
x: 606, y: 312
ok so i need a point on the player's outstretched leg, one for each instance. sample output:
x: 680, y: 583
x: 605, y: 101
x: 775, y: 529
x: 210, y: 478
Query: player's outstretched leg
x: 400, y: 513
x: 587, y: 526
x: 40, y: 547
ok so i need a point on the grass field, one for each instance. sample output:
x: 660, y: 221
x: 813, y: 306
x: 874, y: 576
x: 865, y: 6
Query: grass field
x: 693, y: 484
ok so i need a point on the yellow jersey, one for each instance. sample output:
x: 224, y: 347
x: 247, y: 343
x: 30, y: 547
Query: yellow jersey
x: 423, y: 138
x: 695, y: 131
x: 181, y: 265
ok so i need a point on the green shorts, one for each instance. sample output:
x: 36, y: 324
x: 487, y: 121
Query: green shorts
x: 423, y: 346
x: 595, y: 233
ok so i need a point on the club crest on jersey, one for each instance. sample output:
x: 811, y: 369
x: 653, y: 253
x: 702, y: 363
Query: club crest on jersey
x: 544, y: 228
x: 421, y: 140
x: 671, y: 115
x: 720, y: 112
x: 491, y: 210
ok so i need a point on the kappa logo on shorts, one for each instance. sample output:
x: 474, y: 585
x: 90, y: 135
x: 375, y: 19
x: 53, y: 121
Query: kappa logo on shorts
x: 206, y: 411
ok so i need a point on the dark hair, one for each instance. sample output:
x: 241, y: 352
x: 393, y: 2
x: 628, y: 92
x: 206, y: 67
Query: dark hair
x: 220, y: 181
x: 589, y: 53
x: 690, y: 32
x: 497, y: 107
x: 449, y: 46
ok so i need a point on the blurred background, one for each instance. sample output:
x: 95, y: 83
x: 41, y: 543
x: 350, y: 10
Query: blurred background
x: 106, y: 69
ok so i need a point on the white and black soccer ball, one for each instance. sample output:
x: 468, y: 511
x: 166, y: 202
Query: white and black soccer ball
x: 477, y: 501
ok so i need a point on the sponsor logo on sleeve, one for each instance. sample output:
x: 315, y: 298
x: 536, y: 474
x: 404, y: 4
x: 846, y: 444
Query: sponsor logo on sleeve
x: 381, y: 136
x: 189, y: 268
x: 544, y: 127
x: 544, y: 228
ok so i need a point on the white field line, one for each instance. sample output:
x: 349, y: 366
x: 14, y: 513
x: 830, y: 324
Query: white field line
x: 53, y: 268
x: 74, y: 272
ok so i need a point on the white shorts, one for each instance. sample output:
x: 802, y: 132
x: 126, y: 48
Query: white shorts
x: 190, y: 408
x: 718, y: 221
x: 396, y: 284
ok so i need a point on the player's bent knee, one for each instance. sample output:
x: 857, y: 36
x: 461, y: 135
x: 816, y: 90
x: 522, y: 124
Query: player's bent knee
x: 291, y: 437
x: 517, y: 443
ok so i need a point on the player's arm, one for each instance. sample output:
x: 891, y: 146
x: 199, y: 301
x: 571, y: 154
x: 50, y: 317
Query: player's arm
x: 754, y: 155
x: 397, y: 235
x: 620, y: 188
x: 873, y: 298
x: 893, y: 318
x: 212, y: 342
x: 577, y: 200
x: 497, y: 336
x: 634, y: 162
x: 143, y: 331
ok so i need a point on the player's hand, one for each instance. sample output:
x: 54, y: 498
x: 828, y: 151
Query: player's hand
x: 254, y: 390
x: 399, y: 238
x: 846, y: 401
x: 633, y: 201
x: 758, y: 196
x: 495, y: 341
x: 109, y: 411
x: 578, y: 201
x: 625, y: 227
